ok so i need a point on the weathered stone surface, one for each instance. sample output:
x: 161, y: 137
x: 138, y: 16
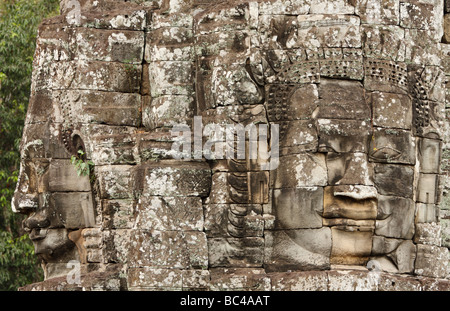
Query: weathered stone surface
x: 350, y: 248
x: 356, y: 189
x: 392, y: 146
x: 78, y: 209
x: 345, y: 33
x: 342, y: 100
x: 166, y: 111
x: 431, y: 261
x: 419, y: 52
x: 426, y: 213
x: 429, y: 155
x: 398, y: 255
x: 111, y: 46
x: 236, y: 252
x: 378, y: 11
x: 428, y: 234
x: 169, y: 213
x: 239, y: 279
x: 446, y: 37
x: 352, y: 202
x: 385, y: 76
x: 300, y: 136
x: 294, y: 249
x: 395, y: 217
x: 168, y: 249
x: 427, y: 188
x: 395, y: 180
x: 298, y: 208
x: 343, y: 135
x: 285, y: 102
x: 115, y: 181
x: 182, y: 180
x: 349, y: 169
x: 110, y: 108
x: 300, y: 281
x: 384, y: 42
x: 118, y: 214
x: 310, y: 170
x: 391, y: 110
x: 63, y: 177
x: 331, y: 7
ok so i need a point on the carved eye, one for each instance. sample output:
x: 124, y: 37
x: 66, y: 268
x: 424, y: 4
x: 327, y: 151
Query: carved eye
x: 385, y: 153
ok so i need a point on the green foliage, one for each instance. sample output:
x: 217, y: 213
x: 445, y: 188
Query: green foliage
x: 83, y: 168
x: 19, y: 20
x: 17, y: 262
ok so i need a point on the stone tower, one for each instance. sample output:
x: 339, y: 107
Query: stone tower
x: 263, y: 145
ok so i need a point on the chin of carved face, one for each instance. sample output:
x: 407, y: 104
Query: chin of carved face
x: 51, y: 244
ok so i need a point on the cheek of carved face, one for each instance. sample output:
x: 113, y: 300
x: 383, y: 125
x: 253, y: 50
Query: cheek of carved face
x: 32, y: 181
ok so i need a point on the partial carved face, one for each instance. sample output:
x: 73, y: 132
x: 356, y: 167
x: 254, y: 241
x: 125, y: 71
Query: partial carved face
x: 55, y: 198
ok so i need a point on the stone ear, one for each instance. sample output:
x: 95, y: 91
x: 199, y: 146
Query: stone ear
x: 78, y: 144
x: 73, y: 143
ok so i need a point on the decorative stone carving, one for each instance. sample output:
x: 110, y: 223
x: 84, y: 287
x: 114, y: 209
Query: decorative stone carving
x: 347, y: 191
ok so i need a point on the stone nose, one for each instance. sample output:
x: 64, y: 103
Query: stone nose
x: 36, y: 221
x: 24, y: 202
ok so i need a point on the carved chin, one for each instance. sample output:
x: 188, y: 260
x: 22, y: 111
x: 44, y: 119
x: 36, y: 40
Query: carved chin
x: 53, y: 246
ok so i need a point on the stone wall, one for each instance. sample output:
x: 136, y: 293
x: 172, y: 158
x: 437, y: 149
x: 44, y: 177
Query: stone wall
x: 445, y: 205
x: 357, y: 88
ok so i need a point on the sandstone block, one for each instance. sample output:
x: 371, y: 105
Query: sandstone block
x: 343, y: 136
x: 147, y: 278
x: 392, y: 146
x: 167, y: 111
x: 351, y: 202
x: 349, y: 169
x: 428, y: 234
x: 395, y: 217
x: 350, y: 248
x: 429, y: 155
x: 170, y: 78
x: 298, y: 208
x: 168, y: 249
x: 109, y: 45
x: 118, y: 214
x: 345, y: 29
x: 236, y: 252
x: 426, y: 213
x: 63, y: 177
x: 395, y: 180
x: 342, y: 100
x: 432, y: 261
x: 169, y: 213
x: 309, y: 170
x: 300, y: 281
x: 378, y: 11
x: 177, y: 180
x: 300, y: 249
x: 427, y: 188
x: 239, y: 279
x: 391, y: 110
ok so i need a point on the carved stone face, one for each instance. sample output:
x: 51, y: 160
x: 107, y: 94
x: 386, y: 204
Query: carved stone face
x: 58, y: 202
x: 359, y: 140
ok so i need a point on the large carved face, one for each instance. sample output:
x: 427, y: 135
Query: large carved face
x: 358, y: 111
x: 59, y: 202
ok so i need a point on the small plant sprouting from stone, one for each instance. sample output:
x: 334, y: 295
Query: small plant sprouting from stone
x: 83, y: 168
